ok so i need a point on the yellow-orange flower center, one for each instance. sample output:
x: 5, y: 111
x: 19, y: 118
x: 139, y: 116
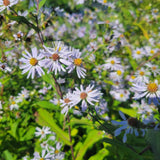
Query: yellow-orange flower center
x: 133, y: 77
x: 76, y: 107
x: 19, y: 35
x: 141, y: 73
x: 6, y: 2
x: 41, y: 158
x: 138, y: 52
x: 13, y: 102
x: 55, y: 56
x: 42, y: 132
x: 152, y: 51
x: 104, y: 1
x: 121, y: 95
x: 33, y: 61
x: 154, y: 67
x: 112, y: 62
x: 66, y: 100
x: 56, y: 151
x: 152, y: 87
x: 119, y: 72
x: 78, y: 61
x: 83, y: 95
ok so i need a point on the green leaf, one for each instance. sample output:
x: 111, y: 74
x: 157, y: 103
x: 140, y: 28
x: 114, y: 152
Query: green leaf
x: 7, y: 155
x: 44, y: 118
x: 100, y: 155
x: 92, y: 138
x: 21, y: 19
x: 42, y: 2
x: 29, y: 134
x: 129, y: 111
x: 13, y: 130
x: 47, y: 105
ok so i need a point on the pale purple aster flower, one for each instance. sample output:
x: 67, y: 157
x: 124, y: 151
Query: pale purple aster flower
x: 44, y: 155
x: 6, y: 4
x: 85, y: 96
x: 76, y: 63
x: 56, y: 57
x: 42, y: 132
x: 32, y: 63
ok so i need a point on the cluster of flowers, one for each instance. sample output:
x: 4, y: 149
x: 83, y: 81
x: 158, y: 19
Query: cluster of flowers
x: 51, y: 149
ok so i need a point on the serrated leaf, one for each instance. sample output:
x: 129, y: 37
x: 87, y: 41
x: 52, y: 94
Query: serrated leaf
x: 44, y: 118
x: 92, y: 138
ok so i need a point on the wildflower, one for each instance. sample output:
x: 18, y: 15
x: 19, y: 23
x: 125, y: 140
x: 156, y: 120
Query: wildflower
x: 127, y: 124
x: 102, y: 107
x: 13, y: 103
x: 23, y: 95
x: 150, y: 51
x: 154, y: 68
x: 117, y: 75
x: 113, y: 63
x: 18, y: 36
x: 6, y: 4
x: 85, y: 95
x: 42, y: 132
x: 43, y: 156
x: 32, y: 63
x: 149, y: 90
x: 56, y: 57
x: 138, y: 53
x: 104, y: 2
x: 76, y: 63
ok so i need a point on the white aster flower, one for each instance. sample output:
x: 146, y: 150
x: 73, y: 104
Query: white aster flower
x: 6, y: 4
x: 149, y: 90
x: 103, y: 2
x: 18, y: 36
x: 42, y: 132
x: 138, y: 53
x: 85, y: 95
x: 76, y: 63
x: 113, y: 63
x: 43, y: 156
x: 32, y: 63
x: 13, y: 103
x: 154, y: 68
x: 56, y: 57
x: 117, y: 75
x: 151, y: 51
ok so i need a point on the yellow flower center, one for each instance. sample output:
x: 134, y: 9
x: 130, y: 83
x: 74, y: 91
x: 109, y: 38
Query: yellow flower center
x: 13, y: 102
x: 33, y: 61
x: 138, y: 52
x: 133, y: 77
x: 83, y: 95
x: 119, y: 72
x: 56, y: 151
x: 41, y: 159
x: 55, y: 56
x: 112, y: 62
x: 104, y: 1
x: 154, y: 67
x: 152, y: 51
x: 155, y: 10
x: 19, y: 35
x: 42, y: 132
x: 121, y: 95
x: 141, y: 73
x: 6, y: 2
x: 152, y: 87
x: 76, y: 107
x: 78, y: 61
x: 66, y: 100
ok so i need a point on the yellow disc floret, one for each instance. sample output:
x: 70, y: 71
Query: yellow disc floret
x: 33, y: 61
x: 119, y: 72
x: 104, y: 1
x: 141, y: 73
x: 138, y: 52
x: 78, y: 61
x: 112, y: 62
x: 152, y: 51
x: 152, y: 87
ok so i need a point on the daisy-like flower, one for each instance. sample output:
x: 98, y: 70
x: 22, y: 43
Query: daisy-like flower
x: 13, y: 103
x: 150, y: 51
x: 104, y: 2
x: 66, y: 103
x: 18, y: 36
x: 23, y: 95
x: 76, y: 63
x: 117, y: 75
x: 142, y: 75
x: 128, y: 125
x: 85, y: 95
x: 56, y: 57
x: 138, y: 53
x: 113, y: 63
x: 154, y: 68
x: 42, y: 132
x: 32, y: 63
x: 43, y: 156
x: 6, y: 4
x: 149, y: 90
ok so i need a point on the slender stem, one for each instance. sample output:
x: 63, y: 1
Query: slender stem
x: 145, y: 149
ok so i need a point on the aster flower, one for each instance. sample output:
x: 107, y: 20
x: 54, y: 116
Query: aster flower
x: 13, y: 103
x: 85, y: 96
x: 150, y: 51
x: 18, y: 36
x: 154, y: 68
x: 117, y: 75
x: 43, y: 156
x: 56, y: 57
x: 113, y: 63
x: 138, y: 53
x: 103, y: 2
x: 76, y: 63
x: 6, y: 4
x: 32, y: 63
x: 149, y: 90
x: 42, y: 132
x: 128, y: 125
